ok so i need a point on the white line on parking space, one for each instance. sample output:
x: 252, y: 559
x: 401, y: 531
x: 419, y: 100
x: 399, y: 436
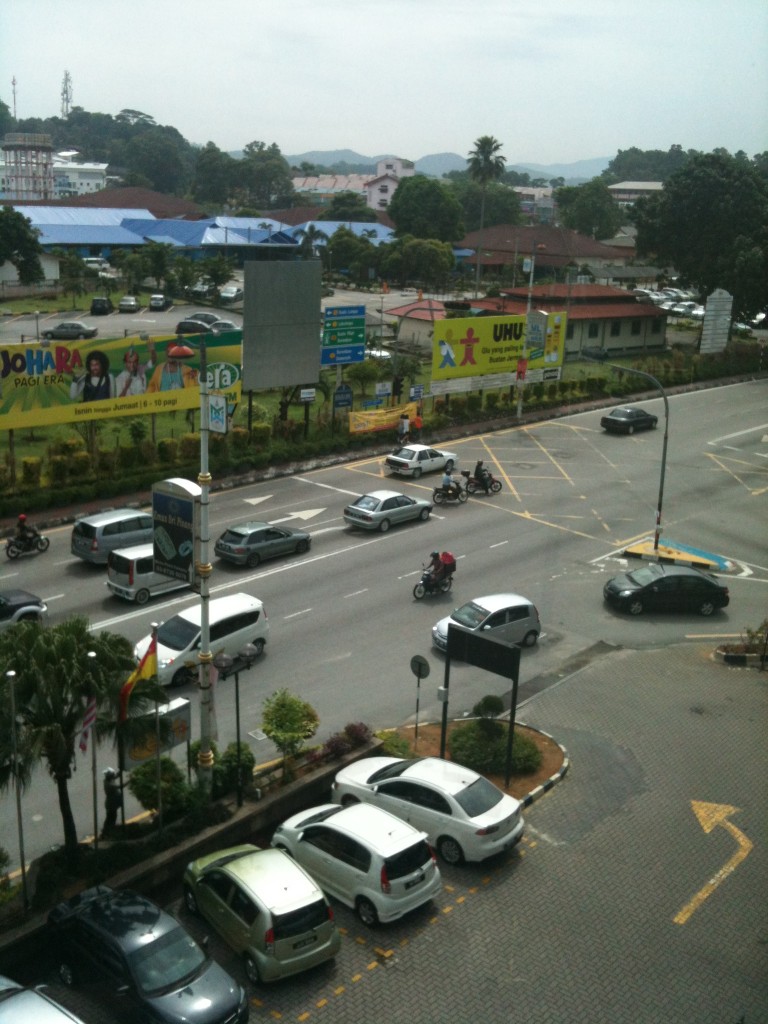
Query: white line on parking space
x: 738, y: 433
x: 294, y: 615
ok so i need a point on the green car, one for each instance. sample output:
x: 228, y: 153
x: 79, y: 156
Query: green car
x: 266, y: 907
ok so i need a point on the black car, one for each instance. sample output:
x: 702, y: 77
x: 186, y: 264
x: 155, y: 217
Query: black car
x: 192, y: 327
x: 666, y: 588
x: 133, y: 950
x: 627, y: 419
x: 18, y: 605
x: 101, y: 305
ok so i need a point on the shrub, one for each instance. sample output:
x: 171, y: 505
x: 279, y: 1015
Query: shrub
x: 470, y: 745
x: 394, y: 745
x: 168, y: 449
x: 174, y: 788
x: 58, y: 469
x: 358, y: 733
x: 31, y: 471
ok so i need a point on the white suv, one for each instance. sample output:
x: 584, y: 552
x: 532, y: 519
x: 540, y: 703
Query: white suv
x: 368, y: 859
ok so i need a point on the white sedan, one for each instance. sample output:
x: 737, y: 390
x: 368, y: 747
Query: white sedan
x: 414, y: 459
x: 465, y: 816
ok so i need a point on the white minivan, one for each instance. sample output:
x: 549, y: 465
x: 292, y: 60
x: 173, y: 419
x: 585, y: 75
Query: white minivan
x: 234, y: 621
x: 131, y: 574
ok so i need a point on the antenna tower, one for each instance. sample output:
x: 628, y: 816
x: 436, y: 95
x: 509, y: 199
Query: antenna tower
x: 66, y: 95
x: 13, y: 85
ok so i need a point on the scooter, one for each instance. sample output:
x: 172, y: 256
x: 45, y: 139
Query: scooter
x: 475, y: 487
x: 459, y: 493
x: 15, y: 547
x: 427, y: 585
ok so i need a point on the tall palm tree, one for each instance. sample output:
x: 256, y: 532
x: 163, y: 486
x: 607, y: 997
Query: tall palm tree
x: 486, y: 165
x: 312, y: 240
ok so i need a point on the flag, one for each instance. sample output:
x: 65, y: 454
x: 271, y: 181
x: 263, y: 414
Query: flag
x: 88, y: 720
x: 146, y: 668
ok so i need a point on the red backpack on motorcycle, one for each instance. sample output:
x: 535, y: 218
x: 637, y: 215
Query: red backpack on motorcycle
x: 449, y: 562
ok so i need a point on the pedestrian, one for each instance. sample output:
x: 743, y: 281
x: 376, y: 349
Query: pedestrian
x: 113, y: 800
x: 403, y: 428
x: 416, y: 426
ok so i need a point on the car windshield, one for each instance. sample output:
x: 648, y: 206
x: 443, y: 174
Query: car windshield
x: 479, y: 797
x: 392, y: 771
x: 367, y: 502
x: 172, y: 959
x: 177, y: 633
x: 232, y: 537
x: 303, y: 919
x: 405, y: 453
x: 470, y: 615
x: 647, y: 574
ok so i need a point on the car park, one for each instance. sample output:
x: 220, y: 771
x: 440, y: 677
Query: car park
x: 234, y: 621
x: 17, y: 605
x: 70, y: 330
x: 159, y: 301
x: 231, y: 293
x: 21, y: 1005
x: 129, y: 304
x: 140, y: 955
x: 251, y: 543
x: 364, y: 857
x: 101, y: 305
x: 627, y: 419
x: 654, y: 587
x: 378, y: 510
x: 464, y: 815
x: 414, y: 459
x: 93, y: 537
x: 266, y: 907
x: 509, y: 617
x: 191, y: 327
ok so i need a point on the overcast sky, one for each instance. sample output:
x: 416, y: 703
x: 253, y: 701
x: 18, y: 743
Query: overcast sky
x: 553, y: 80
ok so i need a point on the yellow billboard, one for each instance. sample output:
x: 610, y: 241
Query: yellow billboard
x: 71, y: 381
x: 490, y: 345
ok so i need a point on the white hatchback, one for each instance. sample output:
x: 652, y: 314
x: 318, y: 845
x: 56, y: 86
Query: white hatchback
x: 465, y: 816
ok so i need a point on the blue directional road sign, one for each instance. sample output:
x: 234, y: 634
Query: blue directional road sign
x: 344, y: 326
x: 341, y: 355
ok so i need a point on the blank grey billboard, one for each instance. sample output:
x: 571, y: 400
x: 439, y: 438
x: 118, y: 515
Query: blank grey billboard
x: 281, y: 324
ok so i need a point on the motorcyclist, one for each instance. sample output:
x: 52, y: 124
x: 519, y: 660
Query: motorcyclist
x: 449, y: 484
x: 482, y: 476
x: 25, y: 532
x: 436, y: 567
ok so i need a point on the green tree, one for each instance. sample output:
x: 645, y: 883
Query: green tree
x: 350, y: 207
x: 20, y: 245
x: 264, y: 177
x: 218, y: 270
x: 426, y: 208
x: 502, y: 204
x: 345, y: 251
x: 486, y: 165
x: 635, y: 164
x: 157, y: 157
x: 133, y: 267
x: 54, y: 681
x: 363, y: 374
x: 312, y: 240
x: 289, y: 722
x: 428, y: 261
x: 589, y: 209
x: 215, y: 175
x: 72, y: 276
x: 159, y: 261
x: 710, y: 224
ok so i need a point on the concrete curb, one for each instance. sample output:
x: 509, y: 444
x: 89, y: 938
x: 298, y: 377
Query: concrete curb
x: 545, y: 787
x: 688, y: 560
x: 758, y: 661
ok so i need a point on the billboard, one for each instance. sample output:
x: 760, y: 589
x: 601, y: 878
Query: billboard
x: 492, y: 345
x: 176, y: 528
x: 71, y: 381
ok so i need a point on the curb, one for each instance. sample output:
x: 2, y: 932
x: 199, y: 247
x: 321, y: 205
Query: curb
x: 693, y: 563
x: 758, y: 661
x: 545, y: 787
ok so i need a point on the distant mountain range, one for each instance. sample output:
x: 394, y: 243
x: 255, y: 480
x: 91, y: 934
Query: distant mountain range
x: 347, y: 161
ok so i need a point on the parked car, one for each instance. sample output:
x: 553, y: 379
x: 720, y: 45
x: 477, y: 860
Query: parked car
x: 129, y: 304
x: 191, y: 327
x: 203, y: 316
x: 220, y: 326
x: 266, y: 907
x: 231, y: 293
x: 415, y: 459
x: 509, y: 617
x: 203, y: 288
x: 627, y: 419
x: 464, y: 815
x: 363, y: 856
x: 93, y: 537
x: 250, y: 543
x: 378, y: 510
x: 158, y: 301
x: 666, y: 588
x: 141, y: 955
x: 235, y: 620
x: 101, y: 305
x: 18, y: 605
x: 20, y: 1005
x: 69, y: 330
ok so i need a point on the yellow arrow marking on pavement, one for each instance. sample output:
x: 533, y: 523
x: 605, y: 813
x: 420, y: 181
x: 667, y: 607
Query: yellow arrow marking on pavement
x: 710, y: 816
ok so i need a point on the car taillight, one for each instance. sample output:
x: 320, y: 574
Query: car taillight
x: 269, y: 941
x: 94, y: 545
x: 385, y: 885
x: 331, y: 918
x: 130, y: 575
x: 487, y: 831
x: 433, y: 855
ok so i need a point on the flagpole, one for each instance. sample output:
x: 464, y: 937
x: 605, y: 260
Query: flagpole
x: 94, y: 777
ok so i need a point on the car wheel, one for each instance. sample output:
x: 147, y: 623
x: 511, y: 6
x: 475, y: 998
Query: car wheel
x: 259, y: 645
x: 384, y: 525
x: 189, y: 900
x: 251, y: 970
x: 81, y: 336
x: 142, y: 596
x: 29, y: 617
x: 366, y: 912
x: 67, y: 974
x: 349, y: 801
x: 48, y: 335
x: 181, y: 678
x: 706, y: 607
x: 449, y: 465
x: 630, y: 429
x: 450, y: 850
x: 302, y: 547
x: 416, y: 473
x: 530, y: 638
x: 424, y: 515
x: 252, y: 560
x: 635, y: 606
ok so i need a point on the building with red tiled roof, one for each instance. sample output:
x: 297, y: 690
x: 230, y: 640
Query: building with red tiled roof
x: 556, y: 249
x: 160, y: 205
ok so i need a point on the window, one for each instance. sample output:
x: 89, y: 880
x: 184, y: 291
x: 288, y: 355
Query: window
x: 243, y: 906
x: 593, y: 330
x: 637, y: 327
x: 656, y: 325
x: 569, y: 332
x: 615, y: 328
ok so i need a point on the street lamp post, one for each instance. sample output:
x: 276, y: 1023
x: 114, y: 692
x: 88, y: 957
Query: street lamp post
x: 225, y: 664
x: 37, y: 325
x: 11, y: 677
x: 598, y: 358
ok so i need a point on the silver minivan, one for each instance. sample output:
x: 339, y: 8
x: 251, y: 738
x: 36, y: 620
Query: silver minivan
x: 93, y: 537
x: 131, y: 575
x: 509, y: 617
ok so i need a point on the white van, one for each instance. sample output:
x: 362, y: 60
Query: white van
x: 234, y: 621
x: 132, y: 575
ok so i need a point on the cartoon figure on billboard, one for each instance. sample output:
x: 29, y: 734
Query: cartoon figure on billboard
x: 446, y: 352
x: 171, y: 374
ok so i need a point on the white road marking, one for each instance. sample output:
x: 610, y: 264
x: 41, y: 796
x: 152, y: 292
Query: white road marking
x: 257, y: 501
x: 738, y: 433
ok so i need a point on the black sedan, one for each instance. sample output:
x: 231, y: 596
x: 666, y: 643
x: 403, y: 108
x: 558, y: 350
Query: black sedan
x: 70, y: 330
x: 665, y: 588
x: 143, y: 958
x: 192, y: 327
x: 627, y: 419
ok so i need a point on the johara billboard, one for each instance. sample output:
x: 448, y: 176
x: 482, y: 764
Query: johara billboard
x: 70, y: 381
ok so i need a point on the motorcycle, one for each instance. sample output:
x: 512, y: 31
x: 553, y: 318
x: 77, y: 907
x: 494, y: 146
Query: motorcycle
x: 457, y: 493
x: 15, y: 547
x: 475, y: 487
x: 427, y: 585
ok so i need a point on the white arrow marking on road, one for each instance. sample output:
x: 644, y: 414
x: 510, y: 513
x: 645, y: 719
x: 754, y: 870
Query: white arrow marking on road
x: 306, y: 514
x: 257, y: 501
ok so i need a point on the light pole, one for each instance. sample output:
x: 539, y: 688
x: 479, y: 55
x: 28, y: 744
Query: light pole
x: 37, y: 325
x: 599, y: 358
x: 11, y: 677
x: 225, y: 664
x: 521, y: 380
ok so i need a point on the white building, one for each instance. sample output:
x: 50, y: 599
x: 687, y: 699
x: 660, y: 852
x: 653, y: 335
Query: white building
x: 30, y: 170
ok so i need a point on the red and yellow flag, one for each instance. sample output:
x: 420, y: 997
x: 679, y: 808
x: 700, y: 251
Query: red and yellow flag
x: 146, y: 668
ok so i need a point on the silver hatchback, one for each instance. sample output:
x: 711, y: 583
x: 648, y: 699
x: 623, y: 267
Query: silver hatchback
x: 509, y: 617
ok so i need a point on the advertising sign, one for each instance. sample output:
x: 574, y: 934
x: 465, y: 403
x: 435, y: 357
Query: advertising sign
x: 176, y: 516
x: 72, y: 381
x: 476, y: 346
x: 179, y: 715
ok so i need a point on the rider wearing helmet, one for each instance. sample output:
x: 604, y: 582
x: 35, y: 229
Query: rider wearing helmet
x: 25, y: 533
x: 482, y: 476
x: 436, y: 566
x: 449, y: 484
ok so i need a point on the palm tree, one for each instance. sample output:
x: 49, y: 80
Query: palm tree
x: 486, y: 165
x: 55, y: 678
x: 312, y: 239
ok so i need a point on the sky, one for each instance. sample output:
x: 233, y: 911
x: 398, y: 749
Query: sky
x: 554, y: 81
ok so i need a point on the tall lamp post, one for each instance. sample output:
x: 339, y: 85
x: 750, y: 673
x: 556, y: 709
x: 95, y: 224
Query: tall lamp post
x: 521, y: 380
x: 37, y: 325
x: 596, y: 356
x: 225, y: 665
x: 11, y: 677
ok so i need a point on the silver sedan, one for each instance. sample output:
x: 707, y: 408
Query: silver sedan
x: 381, y: 509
